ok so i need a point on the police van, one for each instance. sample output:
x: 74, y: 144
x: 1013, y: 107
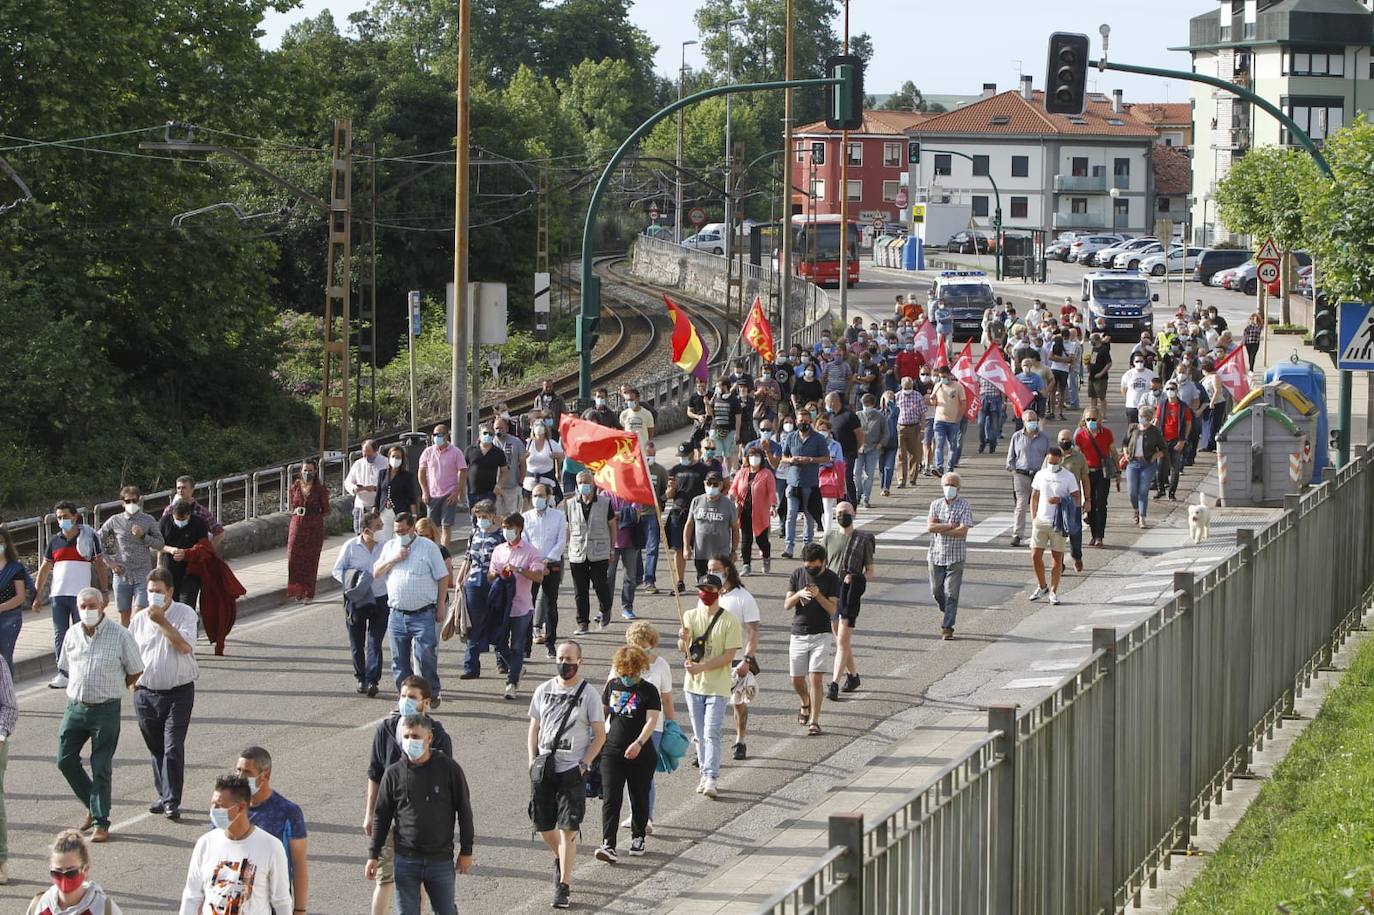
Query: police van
x: 967, y: 294
x: 1123, y: 299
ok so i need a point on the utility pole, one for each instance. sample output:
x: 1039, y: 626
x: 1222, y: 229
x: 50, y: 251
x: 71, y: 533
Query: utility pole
x: 459, y: 405
x: 541, y: 262
x: 337, y: 317
x: 729, y: 145
x: 367, y: 309
x: 844, y: 201
x: 788, y: 155
x: 677, y: 175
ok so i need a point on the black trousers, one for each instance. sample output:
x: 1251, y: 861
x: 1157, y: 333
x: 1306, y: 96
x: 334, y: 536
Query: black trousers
x: 749, y: 539
x: 618, y: 773
x: 1170, y: 466
x: 851, y: 463
x: 164, y: 716
x: 1100, y: 487
x: 366, y: 636
x: 545, y: 596
x: 592, y: 573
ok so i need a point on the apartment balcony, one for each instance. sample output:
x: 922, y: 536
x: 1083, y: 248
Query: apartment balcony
x: 1080, y: 184
x: 1077, y: 221
x: 1236, y: 138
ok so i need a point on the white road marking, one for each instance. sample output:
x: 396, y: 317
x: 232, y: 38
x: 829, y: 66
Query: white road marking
x: 912, y: 529
x: 990, y: 529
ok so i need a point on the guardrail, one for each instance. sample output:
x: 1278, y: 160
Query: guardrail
x: 1074, y: 804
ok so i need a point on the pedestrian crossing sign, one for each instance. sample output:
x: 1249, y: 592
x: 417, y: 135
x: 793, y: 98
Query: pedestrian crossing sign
x: 1356, y: 325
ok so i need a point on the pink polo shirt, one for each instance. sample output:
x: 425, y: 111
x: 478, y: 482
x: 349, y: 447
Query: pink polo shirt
x: 441, y: 467
x: 522, y: 556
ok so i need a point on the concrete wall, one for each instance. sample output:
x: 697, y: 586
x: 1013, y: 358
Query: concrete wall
x: 269, y: 532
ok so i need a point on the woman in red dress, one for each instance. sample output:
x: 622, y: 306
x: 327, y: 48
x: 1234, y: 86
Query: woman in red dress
x: 309, y: 505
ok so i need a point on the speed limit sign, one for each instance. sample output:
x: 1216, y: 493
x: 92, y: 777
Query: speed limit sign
x: 1267, y: 272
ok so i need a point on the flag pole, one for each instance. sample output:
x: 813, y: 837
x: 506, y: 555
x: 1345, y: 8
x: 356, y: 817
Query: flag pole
x: 658, y: 519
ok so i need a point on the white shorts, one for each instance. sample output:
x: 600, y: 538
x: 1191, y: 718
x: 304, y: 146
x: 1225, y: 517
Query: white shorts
x: 807, y: 653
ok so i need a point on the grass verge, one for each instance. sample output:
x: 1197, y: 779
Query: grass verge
x: 1306, y: 844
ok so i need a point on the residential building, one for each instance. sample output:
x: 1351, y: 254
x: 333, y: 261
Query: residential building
x: 877, y: 166
x: 1053, y: 172
x: 1172, y: 121
x: 1311, y: 58
x: 1173, y: 178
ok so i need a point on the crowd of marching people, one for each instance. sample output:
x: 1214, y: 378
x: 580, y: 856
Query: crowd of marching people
x: 781, y: 463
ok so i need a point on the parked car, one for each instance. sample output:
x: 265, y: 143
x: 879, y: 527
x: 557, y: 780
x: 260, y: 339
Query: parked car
x: 1091, y: 244
x: 1249, y: 283
x: 1059, y: 250
x: 970, y: 243
x: 1107, y: 256
x: 1217, y: 259
x: 1158, y: 265
x: 1236, y: 278
x: 710, y: 239
x: 1130, y: 259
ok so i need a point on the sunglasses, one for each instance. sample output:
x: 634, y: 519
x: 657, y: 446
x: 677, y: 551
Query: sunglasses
x: 65, y: 872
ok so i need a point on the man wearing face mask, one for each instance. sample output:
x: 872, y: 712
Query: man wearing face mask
x: 1074, y: 462
x: 472, y: 578
x: 487, y: 467
x: 236, y: 867
x: 546, y: 529
x: 949, y: 522
x: 686, y: 481
x: 166, y: 693
x: 1135, y: 386
x: 591, y: 531
x: 1176, y: 421
x: 601, y: 407
x: 508, y: 494
x: 361, y: 482
x: 269, y: 811
x: 103, y: 662
x: 707, y: 680
x: 552, y: 405
x: 1032, y: 381
x: 1099, y: 361
x: 803, y: 454
x: 186, y: 492
x: 365, y: 609
x: 567, y: 721
x: 517, y: 560
x: 911, y: 416
x: 417, y: 582
x: 813, y: 594
x: 636, y: 417
x: 443, y: 480
x: 1098, y: 447
x: 699, y: 411
x: 951, y: 403
x: 712, y: 525
x: 68, y: 560
x: 1025, y: 456
x: 849, y: 554
x: 386, y: 752
x: 130, y: 539
x: 650, y: 530
x: 182, y: 530
x: 1051, y: 487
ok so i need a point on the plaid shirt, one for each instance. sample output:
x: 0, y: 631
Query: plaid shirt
x: 987, y: 388
x: 911, y: 407
x: 946, y: 550
x: 413, y: 583
x: 97, y: 664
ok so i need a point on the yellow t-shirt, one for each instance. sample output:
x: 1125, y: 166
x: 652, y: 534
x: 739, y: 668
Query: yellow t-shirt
x: 724, y: 636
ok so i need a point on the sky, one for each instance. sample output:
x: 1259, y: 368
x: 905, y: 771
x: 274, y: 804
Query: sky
x: 947, y: 49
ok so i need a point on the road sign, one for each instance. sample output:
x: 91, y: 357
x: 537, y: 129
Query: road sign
x: 653, y: 213
x: 1356, y: 350
x: 696, y: 216
x: 1164, y: 229
x: 902, y: 197
x: 918, y: 213
x: 541, y: 293
x: 415, y: 312
x: 1268, y: 251
x: 1267, y: 272
x: 490, y: 299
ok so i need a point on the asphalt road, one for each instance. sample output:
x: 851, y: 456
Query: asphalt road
x: 286, y: 684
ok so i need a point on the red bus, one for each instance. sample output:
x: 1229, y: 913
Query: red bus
x: 816, y: 248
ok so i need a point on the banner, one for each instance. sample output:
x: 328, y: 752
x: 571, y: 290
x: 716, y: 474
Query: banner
x: 689, y: 350
x: 758, y: 334
x: 993, y: 366
x: 1234, y: 373
x: 967, y: 374
x: 927, y: 343
x: 611, y: 455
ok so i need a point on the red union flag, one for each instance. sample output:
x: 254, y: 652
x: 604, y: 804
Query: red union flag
x: 757, y: 333
x: 1234, y: 373
x: 927, y: 343
x: 993, y: 366
x: 967, y: 374
x: 612, y: 456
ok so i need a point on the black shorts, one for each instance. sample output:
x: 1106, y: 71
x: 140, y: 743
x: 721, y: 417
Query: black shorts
x: 559, y: 804
x: 673, y: 523
x: 850, y: 600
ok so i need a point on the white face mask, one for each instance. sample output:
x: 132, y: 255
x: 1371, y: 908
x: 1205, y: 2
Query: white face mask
x: 755, y: 460
x: 91, y: 616
x: 156, y: 599
x: 951, y: 492
x: 395, y: 463
x: 131, y: 508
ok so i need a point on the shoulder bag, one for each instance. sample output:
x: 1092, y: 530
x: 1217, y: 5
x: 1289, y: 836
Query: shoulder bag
x: 697, y: 649
x: 1108, y: 468
x: 542, y: 769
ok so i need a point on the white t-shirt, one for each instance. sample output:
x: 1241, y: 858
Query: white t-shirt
x: 247, y: 876
x: 1050, y: 484
x: 1136, y: 382
x: 742, y: 604
x: 639, y: 421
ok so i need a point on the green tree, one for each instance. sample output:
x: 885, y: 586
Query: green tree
x: 1339, y: 215
x: 907, y: 98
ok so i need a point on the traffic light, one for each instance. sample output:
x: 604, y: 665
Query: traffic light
x: 1066, y: 79
x: 913, y: 151
x: 1324, y: 337
x: 844, y: 103
x: 818, y: 153
x: 590, y: 318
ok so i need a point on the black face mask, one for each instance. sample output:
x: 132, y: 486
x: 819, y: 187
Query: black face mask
x: 814, y: 571
x: 567, y: 669
x: 845, y: 519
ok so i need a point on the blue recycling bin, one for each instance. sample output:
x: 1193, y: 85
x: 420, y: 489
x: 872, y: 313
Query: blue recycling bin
x: 1310, y: 381
x: 912, y: 255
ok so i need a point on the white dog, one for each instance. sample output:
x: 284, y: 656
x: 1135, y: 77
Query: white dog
x: 1200, y: 520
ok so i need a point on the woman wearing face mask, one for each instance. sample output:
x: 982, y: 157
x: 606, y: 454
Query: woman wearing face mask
x: 633, y: 708
x: 16, y: 590
x: 832, y: 477
x: 72, y: 892
x: 309, y: 506
x: 755, y: 490
x: 808, y: 387
x: 888, y: 460
x: 397, y: 491
x: 1142, y: 450
x: 542, y: 457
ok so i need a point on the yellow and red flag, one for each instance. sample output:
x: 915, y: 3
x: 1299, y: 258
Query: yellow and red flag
x: 689, y: 350
x: 613, y: 457
x: 757, y: 333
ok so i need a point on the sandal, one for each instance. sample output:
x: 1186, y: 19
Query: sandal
x: 804, y: 713
x: 813, y: 729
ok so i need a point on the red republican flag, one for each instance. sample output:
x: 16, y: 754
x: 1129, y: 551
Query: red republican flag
x: 757, y: 333
x: 968, y: 376
x: 993, y: 366
x: 927, y: 343
x: 612, y: 456
x: 1234, y: 373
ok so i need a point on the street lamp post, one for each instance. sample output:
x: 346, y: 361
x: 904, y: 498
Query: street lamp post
x: 1206, y: 234
x: 729, y: 148
x: 677, y: 177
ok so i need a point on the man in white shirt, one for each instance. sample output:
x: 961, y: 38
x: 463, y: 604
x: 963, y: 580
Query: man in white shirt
x: 1051, y: 487
x: 1135, y: 384
x: 166, y: 693
x: 636, y: 418
x: 546, y: 529
x: 236, y: 867
x: 361, y: 482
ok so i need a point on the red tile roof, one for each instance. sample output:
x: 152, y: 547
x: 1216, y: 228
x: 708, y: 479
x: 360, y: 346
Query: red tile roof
x: 1173, y: 170
x: 1019, y: 117
x: 1162, y: 114
x: 878, y: 122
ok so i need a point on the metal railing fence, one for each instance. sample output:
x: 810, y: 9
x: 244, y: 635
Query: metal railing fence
x: 1074, y: 804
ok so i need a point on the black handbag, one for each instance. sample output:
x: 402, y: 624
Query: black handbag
x: 542, y: 769
x: 697, y: 649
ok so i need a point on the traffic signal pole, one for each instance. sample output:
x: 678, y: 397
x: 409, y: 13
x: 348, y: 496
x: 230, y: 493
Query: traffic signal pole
x: 590, y: 312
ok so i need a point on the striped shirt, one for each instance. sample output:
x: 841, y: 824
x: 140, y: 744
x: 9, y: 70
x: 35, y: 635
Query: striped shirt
x: 97, y: 664
x: 944, y: 549
x: 911, y: 407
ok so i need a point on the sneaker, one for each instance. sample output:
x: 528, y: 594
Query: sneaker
x: 741, y: 752
x: 469, y: 675
x: 947, y: 635
x: 701, y: 784
x: 510, y: 691
x: 851, y: 683
x: 648, y: 588
x: 708, y: 788
x: 581, y: 629
x: 681, y: 588
x: 637, y: 847
x: 887, y: 492
x: 866, y: 503
x: 606, y: 853
x: 1039, y: 593
x: 626, y: 615
x: 539, y: 639
x: 1016, y: 541
x: 746, y: 569
x: 434, y: 702
x: 1054, y: 597
x: 59, y: 681
x: 767, y: 567
x: 561, y: 897
x: 901, y: 485
x: 786, y: 554
x: 603, y: 621
x: 832, y: 692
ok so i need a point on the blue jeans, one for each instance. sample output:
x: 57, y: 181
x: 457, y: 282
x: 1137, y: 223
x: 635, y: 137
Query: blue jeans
x: 628, y: 558
x: 866, y: 472
x: 1139, y: 477
x: 990, y: 420
x: 414, y: 631
x: 798, y: 498
x: 707, y: 714
x: 436, y: 876
x: 889, y: 467
x: 648, y: 557
x: 946, y: 445
x: 477, y: 612
x: 11, y: 621
x: 945, y: 582
x: 513, y: 652
x: 128, y: 593
x: 63, y: 617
